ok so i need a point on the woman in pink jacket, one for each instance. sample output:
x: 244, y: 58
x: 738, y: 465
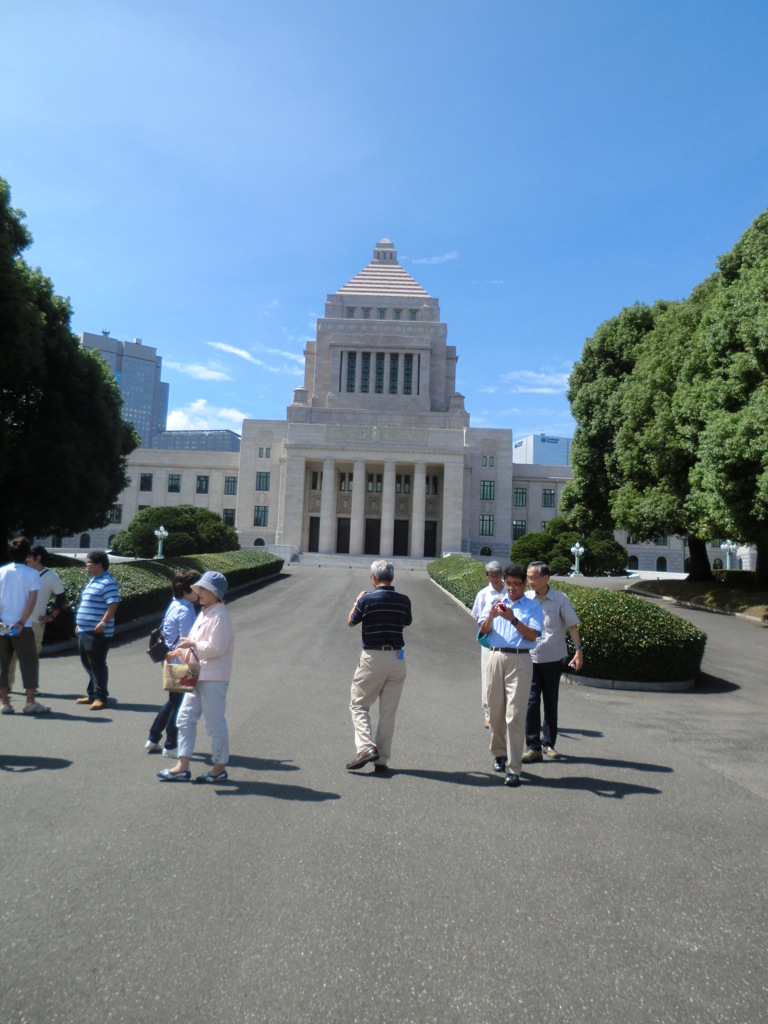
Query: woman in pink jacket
x: 212, y: 643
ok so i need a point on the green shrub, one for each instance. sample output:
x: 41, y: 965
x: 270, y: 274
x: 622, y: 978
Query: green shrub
x: 623, y: 636
x: 145, y: 586
x: 191, y: 530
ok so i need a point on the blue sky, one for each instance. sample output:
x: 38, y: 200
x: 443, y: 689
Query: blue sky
x: 202, y: 175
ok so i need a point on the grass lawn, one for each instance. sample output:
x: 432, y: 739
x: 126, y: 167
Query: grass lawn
x: 714, y: 595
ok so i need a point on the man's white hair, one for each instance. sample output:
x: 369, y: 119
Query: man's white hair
x: 383, y: 570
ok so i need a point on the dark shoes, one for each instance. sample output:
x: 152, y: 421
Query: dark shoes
x: 499, y: 764
x: 166, y: 775
x: 210, y: 777
x: 366, y: 755
x: 511, y: 779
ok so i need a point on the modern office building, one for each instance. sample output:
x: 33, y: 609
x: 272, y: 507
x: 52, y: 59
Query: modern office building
x: 137, y: 368
x: 542, y: 450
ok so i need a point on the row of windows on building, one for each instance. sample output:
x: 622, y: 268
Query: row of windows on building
x: 520, y: 497
x: 374, y: 482
x: 202, y: 483
x: 519, y: 527
x: 375, y: 376
x: 364, y: 312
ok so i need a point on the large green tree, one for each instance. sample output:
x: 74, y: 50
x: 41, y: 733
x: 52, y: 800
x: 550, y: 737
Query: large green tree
x: 63, y: 444
x: 723, y: 388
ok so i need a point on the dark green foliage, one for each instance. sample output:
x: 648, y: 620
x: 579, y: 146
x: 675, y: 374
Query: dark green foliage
x: 145, y: 586
x: 604, y: 555
x: 624, y: 637
x: 190, y: 529
x: 63, y: 444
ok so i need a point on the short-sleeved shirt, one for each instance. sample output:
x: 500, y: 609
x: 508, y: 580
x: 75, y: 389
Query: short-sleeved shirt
x: 483, y: 601
x: 98, y: 593
x: 178, y: 621
x: 384, y: 614
x: 558, y: 614
x: 50, y: 585
x: 17, y: 582
x: 504, y: 634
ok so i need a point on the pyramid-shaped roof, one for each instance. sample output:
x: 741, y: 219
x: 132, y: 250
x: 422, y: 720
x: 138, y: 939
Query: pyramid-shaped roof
x: 384, y: 276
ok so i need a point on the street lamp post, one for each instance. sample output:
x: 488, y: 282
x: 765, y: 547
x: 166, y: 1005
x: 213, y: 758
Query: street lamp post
x: 577, y: 551
x: 161, y: 533
x: 730, y: 550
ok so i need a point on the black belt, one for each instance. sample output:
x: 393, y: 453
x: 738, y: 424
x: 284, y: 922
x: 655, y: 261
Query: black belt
x: 384, y: 647
x: 512, y: 650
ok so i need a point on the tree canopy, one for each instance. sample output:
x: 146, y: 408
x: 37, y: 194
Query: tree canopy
x: 671, y: 403
x: 63, y: 444
x: 553, y: 546
x: 191, y: 531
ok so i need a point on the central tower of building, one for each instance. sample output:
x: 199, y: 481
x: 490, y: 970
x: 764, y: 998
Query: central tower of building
x: 375, y: 454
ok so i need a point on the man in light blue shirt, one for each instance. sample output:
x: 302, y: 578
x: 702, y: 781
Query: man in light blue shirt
x: 513, y: 626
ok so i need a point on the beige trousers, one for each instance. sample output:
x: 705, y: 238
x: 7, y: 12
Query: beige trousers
x: 379, y: 676
x: 509, y: 686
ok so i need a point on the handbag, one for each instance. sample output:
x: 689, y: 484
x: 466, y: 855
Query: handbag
x: 158, y: 648
x: 180, y: 678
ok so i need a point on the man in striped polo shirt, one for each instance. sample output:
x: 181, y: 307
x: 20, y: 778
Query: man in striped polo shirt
x: 95, y: 626
x: 380, y: 670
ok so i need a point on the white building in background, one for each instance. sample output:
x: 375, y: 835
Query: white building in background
x: 542, y: 450
x: 375, y: 456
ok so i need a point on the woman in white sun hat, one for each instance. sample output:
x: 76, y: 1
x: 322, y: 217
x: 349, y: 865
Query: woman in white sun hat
x: 212, y: 643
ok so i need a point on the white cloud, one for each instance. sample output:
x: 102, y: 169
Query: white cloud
x: 528, y: 382
x: 445, y: 258
x: 240, y: 352
x: 198, y: 371
x: 198, y: 415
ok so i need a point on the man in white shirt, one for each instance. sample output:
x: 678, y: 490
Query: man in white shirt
x: 50, y: 586
x: 19, y: 586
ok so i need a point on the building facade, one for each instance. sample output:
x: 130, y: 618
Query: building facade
x: 137, y: 369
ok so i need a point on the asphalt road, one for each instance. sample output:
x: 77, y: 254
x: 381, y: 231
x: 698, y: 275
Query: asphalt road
x: 624, y: 885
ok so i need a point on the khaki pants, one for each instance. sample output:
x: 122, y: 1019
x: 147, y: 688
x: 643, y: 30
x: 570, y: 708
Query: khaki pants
x: 509, y: 686
x: 38, y: 628
x: 380, y: 676
x: 21, y: 648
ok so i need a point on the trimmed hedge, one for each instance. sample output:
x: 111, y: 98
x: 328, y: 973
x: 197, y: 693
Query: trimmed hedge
x: 623, y: 636
x: 145, y: 586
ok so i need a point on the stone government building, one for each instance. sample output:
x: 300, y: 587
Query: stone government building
x: 376, y: 455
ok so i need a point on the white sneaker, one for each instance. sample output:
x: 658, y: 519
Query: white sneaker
x: 170, y: 751
x: 152, y: 747
x: 551, y: 754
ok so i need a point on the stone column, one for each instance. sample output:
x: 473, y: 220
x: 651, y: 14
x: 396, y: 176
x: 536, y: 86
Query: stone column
x: 417, y: 516
x: 453, y: 480
x: 357, y: 525
x: 292, y: 520
x: 327, y: 507
x: 387, y: 541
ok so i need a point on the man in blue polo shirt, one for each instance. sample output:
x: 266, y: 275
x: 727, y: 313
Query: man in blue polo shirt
x: 380, y: 670
x: 95, y: 627
x: 513, y: 627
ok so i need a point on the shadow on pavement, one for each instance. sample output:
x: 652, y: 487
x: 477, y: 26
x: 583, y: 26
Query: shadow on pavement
x: 277, y: 790
x: 608, y: 762
x: 456, y: 778
x: 600, y: 787
x: 712, y: 684
x: 30, y: 763
x: 580, y: 732
x: 262, y: 764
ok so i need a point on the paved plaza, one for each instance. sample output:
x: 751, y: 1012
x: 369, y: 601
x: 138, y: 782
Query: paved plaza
x: 623, y: 885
